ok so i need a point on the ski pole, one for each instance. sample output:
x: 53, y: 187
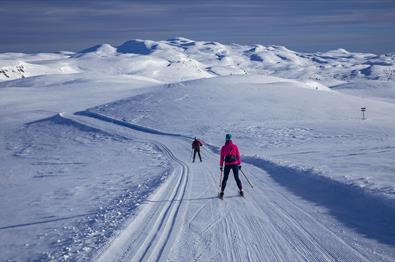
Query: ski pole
x: 220, y: 181
x: 247, y: 179
x: 191, y: 155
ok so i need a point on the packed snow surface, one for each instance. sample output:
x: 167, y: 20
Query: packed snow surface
x: 96, y: 154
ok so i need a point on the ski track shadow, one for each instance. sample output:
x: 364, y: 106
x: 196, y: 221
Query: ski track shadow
x: 126, y: 124
x: 369, y: 215
x: 148, y: 130
x: 46, y: 221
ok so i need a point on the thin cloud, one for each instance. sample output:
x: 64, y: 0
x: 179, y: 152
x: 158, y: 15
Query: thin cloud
x: 78, y: 23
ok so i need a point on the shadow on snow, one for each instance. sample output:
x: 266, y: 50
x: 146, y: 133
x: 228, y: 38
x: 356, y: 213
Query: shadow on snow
x: 46, y: 221
x: 368, y: 214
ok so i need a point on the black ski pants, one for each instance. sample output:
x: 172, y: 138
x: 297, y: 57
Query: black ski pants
x: 197, y: 150
x: 235, y: 169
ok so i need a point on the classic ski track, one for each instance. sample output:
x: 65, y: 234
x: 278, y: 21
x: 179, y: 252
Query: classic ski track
x: 156, y: 238
x: 281, y: 226
x: 161, y: 234
x: 301, y: 232
x: 295, y: 221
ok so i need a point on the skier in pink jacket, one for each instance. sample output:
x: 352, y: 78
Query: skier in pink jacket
x: 231, y: 156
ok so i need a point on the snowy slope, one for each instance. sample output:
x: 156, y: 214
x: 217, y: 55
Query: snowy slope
x: 382, y: 90
x: 277, y: 118
x: 202, y: 59
x: 56, y: 175
x: 95, y: 154
x: 15, y: 65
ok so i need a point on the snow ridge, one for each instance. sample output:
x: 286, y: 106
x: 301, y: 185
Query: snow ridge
x: 202, y: 59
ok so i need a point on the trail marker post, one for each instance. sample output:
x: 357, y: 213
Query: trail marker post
x: 363, y: 109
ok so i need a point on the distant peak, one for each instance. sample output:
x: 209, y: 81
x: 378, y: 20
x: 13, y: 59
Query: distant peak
x: 137, y: 46
x: 341, y: 51
x: 97, y: 48
x: 279, y: 47
x: 180, y: 39
x: 100, y: 50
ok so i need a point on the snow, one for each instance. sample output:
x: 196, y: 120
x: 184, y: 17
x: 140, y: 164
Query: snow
x: 382, y: 90
x: 95, y: 155
x: 201, y: 59
x: 61, y: 180
x: 282, y: 119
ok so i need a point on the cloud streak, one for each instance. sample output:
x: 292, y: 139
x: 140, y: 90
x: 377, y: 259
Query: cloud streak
x: 74, y: 25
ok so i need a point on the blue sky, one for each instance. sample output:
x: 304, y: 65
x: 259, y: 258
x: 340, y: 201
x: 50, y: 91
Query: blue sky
x: 301, y: 25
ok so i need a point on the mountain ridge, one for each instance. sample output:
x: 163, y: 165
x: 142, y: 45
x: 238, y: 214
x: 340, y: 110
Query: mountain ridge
x: 200, y: 59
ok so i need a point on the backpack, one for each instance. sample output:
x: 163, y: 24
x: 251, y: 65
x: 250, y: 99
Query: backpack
x: 230, y: 158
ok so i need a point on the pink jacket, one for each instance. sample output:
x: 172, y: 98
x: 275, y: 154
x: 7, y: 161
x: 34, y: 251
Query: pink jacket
x: 229, y: 149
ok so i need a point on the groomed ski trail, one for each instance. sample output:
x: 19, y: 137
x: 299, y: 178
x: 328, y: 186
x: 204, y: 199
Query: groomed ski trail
x: 147, y: 237
x: 185, y: 221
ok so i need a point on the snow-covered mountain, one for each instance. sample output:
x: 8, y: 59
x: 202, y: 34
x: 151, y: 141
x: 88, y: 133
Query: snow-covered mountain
x: 201, y: 59
x: 95, y: 153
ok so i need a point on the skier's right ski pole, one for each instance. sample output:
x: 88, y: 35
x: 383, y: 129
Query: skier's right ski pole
x: 247, y: 179
x: 191, y: 155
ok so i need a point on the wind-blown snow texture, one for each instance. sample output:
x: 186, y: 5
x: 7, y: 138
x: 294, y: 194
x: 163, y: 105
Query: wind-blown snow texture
x: 95, y: 154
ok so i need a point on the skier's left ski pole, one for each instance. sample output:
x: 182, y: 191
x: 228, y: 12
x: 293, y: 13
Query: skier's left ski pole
x: 247, y: 179
x: 220, y: 181
x: 191, y: 154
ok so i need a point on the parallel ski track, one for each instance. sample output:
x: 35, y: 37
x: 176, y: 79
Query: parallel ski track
x: 286, y: 228
x: 155, y: 240
x: 159, y: 235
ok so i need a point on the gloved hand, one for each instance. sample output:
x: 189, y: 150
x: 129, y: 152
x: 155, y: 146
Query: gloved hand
x: 240, y: 167
x: 220, y: 168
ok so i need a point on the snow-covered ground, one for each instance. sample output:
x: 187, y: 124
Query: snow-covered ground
x: 278, y: 120
x: 95, y: 154
x: 198, y: 59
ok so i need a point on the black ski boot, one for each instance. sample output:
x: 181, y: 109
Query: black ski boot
x: 241, y: 193
x: 221, y: 195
